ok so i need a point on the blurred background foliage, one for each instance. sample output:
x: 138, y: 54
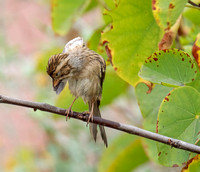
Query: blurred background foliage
x: 32, y: 31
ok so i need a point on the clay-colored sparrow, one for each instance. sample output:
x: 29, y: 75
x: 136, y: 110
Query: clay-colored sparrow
x: 84, y: 70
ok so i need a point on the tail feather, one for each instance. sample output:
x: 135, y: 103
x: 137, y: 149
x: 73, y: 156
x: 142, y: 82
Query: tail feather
x: 103, y: 135
x: 93, y: 130
x: 93, y: 127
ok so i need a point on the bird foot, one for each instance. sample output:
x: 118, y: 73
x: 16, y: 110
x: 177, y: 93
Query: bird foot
x: 69, y: 110
x: 90, y: 117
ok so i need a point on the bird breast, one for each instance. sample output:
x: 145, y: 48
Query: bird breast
x: 86, y: 74
x: 86, y: 88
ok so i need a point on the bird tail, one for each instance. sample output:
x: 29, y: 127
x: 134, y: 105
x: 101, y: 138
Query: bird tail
x: 93, y: 127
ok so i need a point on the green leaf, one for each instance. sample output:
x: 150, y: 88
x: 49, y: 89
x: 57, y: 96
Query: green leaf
x: 92, y: 4
x: 124, y: 154
x: 64, y: 13
x: 112, y: 82
x: 193, y: 165
x: 133, y: 37
x: 42, y: 59
x: 196, y: 82
x: 111, y: 4
x: 178, y: 118
x: 167, y: 12
x: 94, y: 43
x: 173, y: 67
x: 192, y: 15
x: 149, y: 103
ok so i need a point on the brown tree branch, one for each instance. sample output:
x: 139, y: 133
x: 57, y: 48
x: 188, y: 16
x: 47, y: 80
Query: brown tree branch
x: 111, y: 124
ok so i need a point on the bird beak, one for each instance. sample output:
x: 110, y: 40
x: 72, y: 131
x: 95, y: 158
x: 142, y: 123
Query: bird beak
x: 55, y: 83
x: 58, y: 86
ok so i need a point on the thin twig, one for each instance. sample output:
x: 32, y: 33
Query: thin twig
x: 193, y: 4
x: 111, y: 124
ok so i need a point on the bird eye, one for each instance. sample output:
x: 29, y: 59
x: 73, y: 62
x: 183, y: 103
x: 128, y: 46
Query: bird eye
x: 57, y: 74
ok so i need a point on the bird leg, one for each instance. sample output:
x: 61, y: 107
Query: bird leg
x: 91, y: 113
x: 70, y: 109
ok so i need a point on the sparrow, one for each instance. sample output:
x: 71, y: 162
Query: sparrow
x: 84, y: 71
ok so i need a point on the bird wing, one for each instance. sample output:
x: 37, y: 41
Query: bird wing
x: 74, y: 44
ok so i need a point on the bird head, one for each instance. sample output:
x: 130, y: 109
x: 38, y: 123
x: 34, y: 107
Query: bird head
x: 59, y: 69
x: 61, y: 66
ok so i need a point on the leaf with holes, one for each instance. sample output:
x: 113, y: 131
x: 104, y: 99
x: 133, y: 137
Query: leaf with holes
x: 193, y: 165
x: 149, y: 103
x: 167, y: 12
x: 178, y: 118
x: 134, y: 35
x: 196, y: 82
x: 172, y: 67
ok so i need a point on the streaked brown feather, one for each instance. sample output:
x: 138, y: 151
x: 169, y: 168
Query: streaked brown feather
x: 84, y: 70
